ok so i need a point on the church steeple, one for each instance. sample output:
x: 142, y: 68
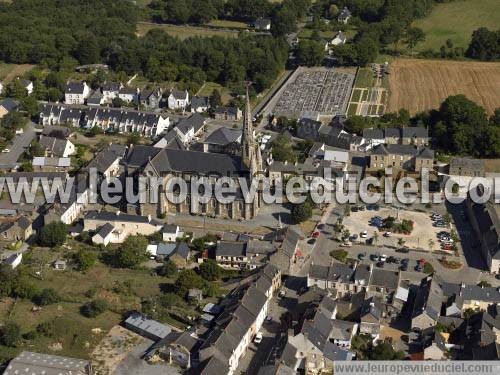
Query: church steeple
x: 247, y: 139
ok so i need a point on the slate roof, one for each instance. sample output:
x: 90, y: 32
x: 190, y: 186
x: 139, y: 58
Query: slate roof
x: 342, y: 329
x: 415, y: 132
x: 199, y: 102
x: 229, y: 248
x: 103, y: 161
x: 105, y: 230
x: 195, y: 122
x: 385, y: 278
x: 139, y: 155
x: 119, y: 216
x: 75, y: 87
x: 229, y: 110
x: 168, y: 160
x: 373, y: 133
x: 54, y: 145
x: 111, y: 86
x: 429, y: 299
x: 398, y: 149
x: 223, y: 136
x: 182, y: 250
x: 9, y: 104
x: 253, y: 300
x: 177, y: 94
x: 169, y: 228
x: 472, y: 292
x: 215, y: 366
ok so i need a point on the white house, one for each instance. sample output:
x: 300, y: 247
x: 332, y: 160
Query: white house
x: 28, y: 85
x: 129, y: 94
x: 170, y: 232
x: 178, y: 99
x: 14, y: 260
x: 262, y: 24
x: 339, y: 39
x: 188, y: 128
x: 110, y: 91
x: 108, y: 234
x: 76, y: 92
x: 55, y: 147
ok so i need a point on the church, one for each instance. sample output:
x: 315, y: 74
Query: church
x: 166, y: 163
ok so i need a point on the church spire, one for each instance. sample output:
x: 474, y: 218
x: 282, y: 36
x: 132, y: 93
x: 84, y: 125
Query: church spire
x: 247, y: 140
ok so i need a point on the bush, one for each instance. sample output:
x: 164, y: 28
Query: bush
x: 94, y: 308
x: 167, y: 269
x: 131, y: 254
x: 428, y: 268
x: 10, y: 334
x: 46, y: 297
x: 53, y: 234
x: 47, y: 329
x: 210, y: 270
x: 85, y: 259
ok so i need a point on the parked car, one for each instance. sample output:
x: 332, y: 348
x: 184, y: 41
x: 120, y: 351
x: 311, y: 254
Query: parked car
x: 403, y: 267
x: 404, y: 249
x: 405, y: 261
x: 346, y: 244
x: 419, y: 268
x: 361, y: 256
x: 387, y: 234
x: 282, y: 293
x: 374, y: 256
x: 315, y: 234
x: 311, y: 241
x: 364, y: 234
x: 383, y: 258
x: 380, y: 264
x: 258, y: 338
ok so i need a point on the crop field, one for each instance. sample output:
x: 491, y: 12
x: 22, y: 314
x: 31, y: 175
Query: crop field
x: 419, y: 85
x: 184, y: 32
x: 456, y: 21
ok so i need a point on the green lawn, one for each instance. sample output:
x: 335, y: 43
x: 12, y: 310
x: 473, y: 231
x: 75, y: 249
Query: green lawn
x: 228, y: 24
x: 209, y: 87
x: 184, y: 32
x: 364, y: 78
x: 456, y: 21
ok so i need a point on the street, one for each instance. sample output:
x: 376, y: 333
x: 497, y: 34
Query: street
x: 19, y: 144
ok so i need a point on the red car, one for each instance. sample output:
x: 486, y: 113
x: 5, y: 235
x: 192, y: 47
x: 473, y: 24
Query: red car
x: 446, y: 246
x: 315, y: 234
x: 421, y: 261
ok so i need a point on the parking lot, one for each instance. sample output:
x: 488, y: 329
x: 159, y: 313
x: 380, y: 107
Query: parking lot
x: 423, y: 230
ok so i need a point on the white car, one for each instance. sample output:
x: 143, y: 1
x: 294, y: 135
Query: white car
x: 383, y: 258
x: 6, y: 150
x: 258, y: 338
x: 363, y: 234
x: 387, y: 234
x: 282, y: 293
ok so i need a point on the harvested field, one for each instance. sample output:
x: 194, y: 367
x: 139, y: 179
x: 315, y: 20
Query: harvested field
x: 419, y: 85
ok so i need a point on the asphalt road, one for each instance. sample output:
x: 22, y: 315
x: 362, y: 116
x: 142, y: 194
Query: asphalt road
x: 18, y: 146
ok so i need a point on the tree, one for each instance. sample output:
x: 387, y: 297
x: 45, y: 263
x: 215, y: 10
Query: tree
x: 414, y: 35
x: 94, y: 308
x: 484, y: 45
x: 215, y: 99
x: 10, y: 334
x: 385, y: 352
x: 310, y: 52
x: 167, y: 269
x: 30, y: 105
x: 210, y: 270
x: 188, y: 279
x: 53, y: 234
x: 85, y: 259
x: 375, y: 237
x: 133, y: 138
x: 47, y: 296
x: 132, y: 252
x: 301, y: 212
x: 340, y: 255
x: 401, y: 242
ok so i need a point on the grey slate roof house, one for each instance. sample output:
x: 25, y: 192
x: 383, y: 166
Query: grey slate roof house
x: 223, y: 140
x: 408, y: 157
x: 228, y: 113
x: 468, y: 167
x: 150, y: 99
x: 200, y: 104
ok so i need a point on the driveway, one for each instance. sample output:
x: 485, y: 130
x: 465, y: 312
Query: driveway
x: 133, y: 364
x: 19, y: 144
